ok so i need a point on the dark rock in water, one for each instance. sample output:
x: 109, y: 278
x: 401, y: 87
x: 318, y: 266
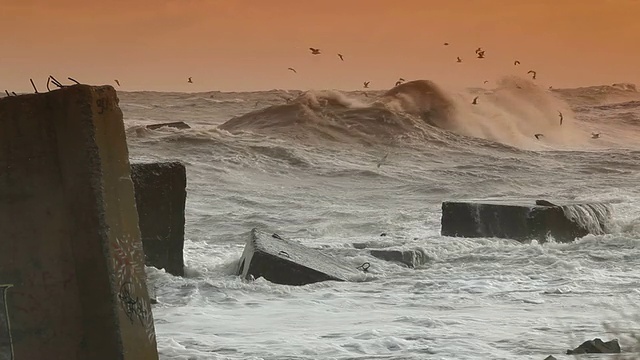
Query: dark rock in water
x: 524, y: 221
x: 177, y: 125
x: 160, y: 190
x: 383, y: 234
x: 550, y: 357
x: 410, y: 258
x: 545, y: 203
x: 596, y: 346
x: 289, y: 263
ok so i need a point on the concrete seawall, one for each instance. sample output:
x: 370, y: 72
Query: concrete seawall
x: 160, y: 198
x: 72, y: 270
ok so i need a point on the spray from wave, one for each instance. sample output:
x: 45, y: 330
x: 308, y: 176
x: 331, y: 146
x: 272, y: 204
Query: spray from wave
x: 511, y: 114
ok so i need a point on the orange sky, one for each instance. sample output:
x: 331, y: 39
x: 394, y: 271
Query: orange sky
x: 248, y: 44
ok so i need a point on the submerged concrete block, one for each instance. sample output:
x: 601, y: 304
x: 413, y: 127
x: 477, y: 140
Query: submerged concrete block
x: 409, y: 257
x: 71, y: 261
x: 161, y: 193
x: 524, y: 221
x: 177, y: 125
x: 289, y: 263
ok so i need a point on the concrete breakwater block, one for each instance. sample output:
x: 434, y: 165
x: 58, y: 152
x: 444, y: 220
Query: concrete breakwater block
x: 161, y: 194
x: 520, y: 220
x: 72, y: 277
x: 176, y: 125
x: 289, y: 263
x: 408, y: 257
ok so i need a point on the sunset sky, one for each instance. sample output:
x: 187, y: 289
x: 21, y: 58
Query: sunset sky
x: 238, y: 45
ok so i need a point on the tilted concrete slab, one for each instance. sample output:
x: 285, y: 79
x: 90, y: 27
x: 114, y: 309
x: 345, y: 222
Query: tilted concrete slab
x: 522, y: 220
x: 286, y: 262
x: 72, y: 266
x: 160, y: 198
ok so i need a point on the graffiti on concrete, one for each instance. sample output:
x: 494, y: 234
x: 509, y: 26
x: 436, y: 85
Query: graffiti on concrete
x: 128, y: 265
x: 6, y: 342
x: 132, y: 305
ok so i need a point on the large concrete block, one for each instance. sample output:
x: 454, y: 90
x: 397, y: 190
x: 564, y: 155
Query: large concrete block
x: 71, y: 261
x: 286, y: 262
x: 160, y: 198
x: 524, y: 221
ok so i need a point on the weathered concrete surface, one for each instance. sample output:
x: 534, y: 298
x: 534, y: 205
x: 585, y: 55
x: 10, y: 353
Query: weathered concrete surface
x: 286, y: 262
x: 409, y: 257
x: 177, y: 125
x: 523, y: 221
x: 596, y: 346
x: 70, y: 252
x: 161, y: 193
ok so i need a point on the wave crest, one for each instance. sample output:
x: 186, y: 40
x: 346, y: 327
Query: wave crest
x: 420, y: 110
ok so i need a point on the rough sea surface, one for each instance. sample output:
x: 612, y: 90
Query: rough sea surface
x: 305, y: 165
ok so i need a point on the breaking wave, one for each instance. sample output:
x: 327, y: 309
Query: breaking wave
x: 511, y: 113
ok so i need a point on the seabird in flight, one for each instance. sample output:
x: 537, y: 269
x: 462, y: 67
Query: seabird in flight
x: 314, y: 51
x: 561, y: 118
x: 117, y: 82
x: 366, y: 84
x: 475, y: 100
x: 538, y: 136
x: 292, y: 69
x: 340, y: 56
x: 190, y: 81
x: 383, y: 159
x: 516, y: 62
x: 532, y: 72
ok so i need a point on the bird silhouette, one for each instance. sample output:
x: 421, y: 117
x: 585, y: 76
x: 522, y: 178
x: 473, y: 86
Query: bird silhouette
x: 292, y: 69
x: 366, y: 84
x: 516, y: 62
x: 341, y: 57
x: 480, y: 54
x: 190, y: 81
x: 475, y: 100
x: 538, y: 136
x: 381, y: 161
x: 532, y: 72
x: 117, y: 82
x: 446, y: 44
x: 314, y: 51
x: 459, y: 60
x: 561, y: 118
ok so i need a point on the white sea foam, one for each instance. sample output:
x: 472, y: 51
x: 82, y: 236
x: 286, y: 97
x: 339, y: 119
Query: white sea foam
x: 473, y: 299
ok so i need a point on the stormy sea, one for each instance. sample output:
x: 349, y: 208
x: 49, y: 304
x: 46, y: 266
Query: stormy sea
x: 331, y: 169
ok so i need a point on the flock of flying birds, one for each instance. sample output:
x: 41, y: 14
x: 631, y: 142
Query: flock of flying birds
x: 479, y: 54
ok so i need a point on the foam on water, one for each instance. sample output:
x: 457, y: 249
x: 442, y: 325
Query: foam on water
x: 472, y: 299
